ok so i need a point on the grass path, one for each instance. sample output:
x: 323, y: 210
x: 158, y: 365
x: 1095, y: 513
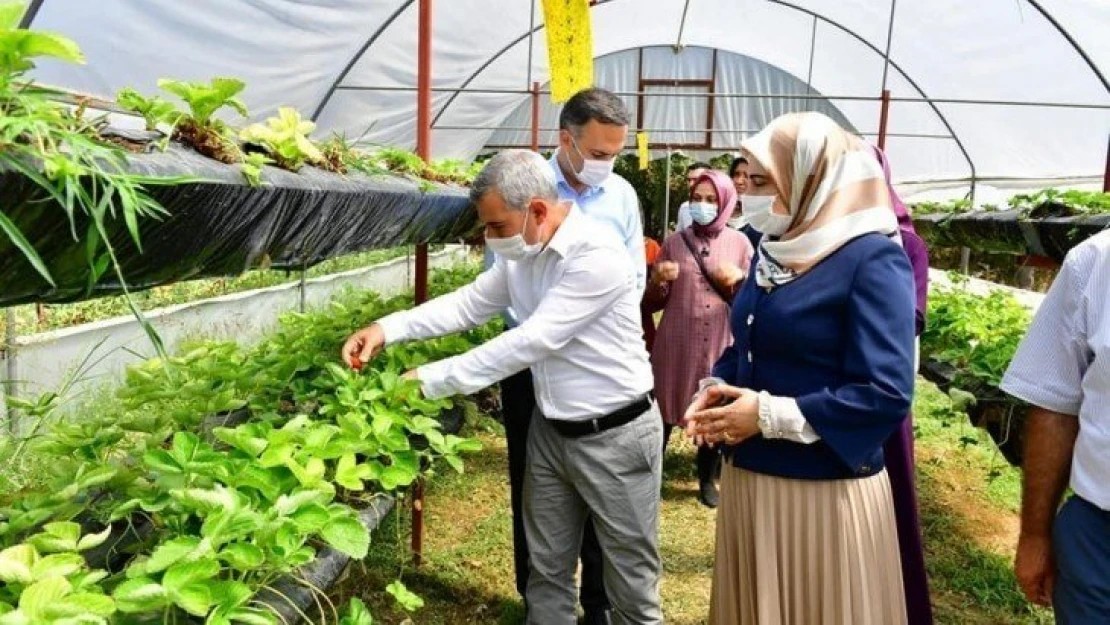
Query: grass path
x: 969, y: 500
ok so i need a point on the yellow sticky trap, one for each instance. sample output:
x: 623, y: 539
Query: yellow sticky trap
x: 570, y: 47
x: 642, y: 148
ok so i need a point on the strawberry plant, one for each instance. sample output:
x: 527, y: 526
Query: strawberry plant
x: 978, y: 335
x: 154, y: 110
x: 285, y: 139
x: 231, y: 514
x: 200, y: 128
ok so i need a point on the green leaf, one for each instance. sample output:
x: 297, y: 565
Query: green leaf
x: 16, y: 564
x: 173, y: 551
x: 37, y: 598
x: 346, y: 533
x: 242, y: 556
x: 140, y: 595
x: 404, y: 597
x: 94, y: 540
x: 310, y: 518
x: 83, y: 604
x: 11, y: 13
x: 186, y: 573
x: 57, y: 537
x: 58, y: 565
x: 161, y: 460
x: 349, y: 474
x: 356, y: 613
x: 38, y: 43
x: 288, y: 504
x: 24, y: 246
x: 230, y: 594
x: 196, y: 599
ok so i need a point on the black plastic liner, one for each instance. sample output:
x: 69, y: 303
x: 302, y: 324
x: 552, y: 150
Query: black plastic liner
x: 1007, y: 232
x: 322, y: 573
x: 1002, y: 416
x: 220, y: 226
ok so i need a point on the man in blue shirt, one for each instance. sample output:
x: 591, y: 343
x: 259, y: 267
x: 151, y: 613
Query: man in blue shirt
x: 593, y: 130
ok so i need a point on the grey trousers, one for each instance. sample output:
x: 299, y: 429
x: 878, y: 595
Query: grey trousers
x: 614, y: 476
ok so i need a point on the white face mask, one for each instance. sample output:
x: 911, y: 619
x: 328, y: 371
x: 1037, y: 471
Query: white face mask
x: 757, y: 209
x: 594, y: 172
x: 703, y: 213
x: 514, y: 247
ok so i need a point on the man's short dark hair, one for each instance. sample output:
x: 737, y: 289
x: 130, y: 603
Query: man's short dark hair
x: 698, y: 165
x: 592, y: 105
x: 736, y: 163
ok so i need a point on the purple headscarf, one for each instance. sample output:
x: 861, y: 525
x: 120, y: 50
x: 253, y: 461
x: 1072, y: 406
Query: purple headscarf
x: 912, y: 243
x: 726, y: 203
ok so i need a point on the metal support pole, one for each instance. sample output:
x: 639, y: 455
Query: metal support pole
x: 667, y: 196
x: 535, y: 117
x: 884, y: 113
x: 424, y: 151
x: 965, y: 260
x: 303, y: 286
x: 1106, y: 176
x: 10, y: 386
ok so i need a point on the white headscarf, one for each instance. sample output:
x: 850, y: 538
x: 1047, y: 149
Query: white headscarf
x: 833, y: 187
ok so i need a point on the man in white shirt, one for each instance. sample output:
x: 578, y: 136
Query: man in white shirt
x: 596, y: 435
x: 1062, y: 368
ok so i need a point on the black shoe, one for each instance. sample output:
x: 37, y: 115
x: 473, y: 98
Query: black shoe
x: 595, y: 617
x: 708, y: 494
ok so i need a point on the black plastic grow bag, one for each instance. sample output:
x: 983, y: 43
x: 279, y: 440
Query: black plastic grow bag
x: 220, y: 226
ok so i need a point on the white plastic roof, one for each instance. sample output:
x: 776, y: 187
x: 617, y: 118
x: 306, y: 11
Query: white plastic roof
x: 315, y: 54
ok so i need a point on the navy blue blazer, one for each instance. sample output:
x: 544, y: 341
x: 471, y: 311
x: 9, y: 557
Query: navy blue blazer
x: 753, y: 235
x: 839, y: 340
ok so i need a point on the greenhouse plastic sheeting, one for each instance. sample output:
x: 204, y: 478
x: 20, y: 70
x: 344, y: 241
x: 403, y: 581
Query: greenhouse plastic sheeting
x: 219, y: 226
x: 327, y: 58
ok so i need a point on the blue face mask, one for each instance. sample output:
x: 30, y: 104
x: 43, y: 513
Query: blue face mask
x: 703, y: 213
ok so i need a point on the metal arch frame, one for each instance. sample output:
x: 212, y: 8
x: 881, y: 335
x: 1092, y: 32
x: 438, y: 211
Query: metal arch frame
x: 30, y: 13
x: 1071, y: 40
x: 896, y: 66
x: 816, y: 16
x: 354, y: 59
x: 491, y: 60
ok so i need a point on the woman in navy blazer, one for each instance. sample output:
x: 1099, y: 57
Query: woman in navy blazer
x: 819, y: 375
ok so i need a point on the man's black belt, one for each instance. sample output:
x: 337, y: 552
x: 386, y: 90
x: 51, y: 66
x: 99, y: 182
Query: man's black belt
x: 617, y: 418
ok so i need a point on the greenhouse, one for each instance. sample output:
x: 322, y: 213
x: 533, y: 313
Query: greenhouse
x: 203, y: 201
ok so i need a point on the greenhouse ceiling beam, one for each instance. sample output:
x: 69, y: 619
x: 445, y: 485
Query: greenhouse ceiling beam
x: 696, y: 131
x: 754, y: 96
x: 896, y: 66
x: 1074, y: 44
x: 355, y: 59
x: 491, y: 60
x: 30, y: 13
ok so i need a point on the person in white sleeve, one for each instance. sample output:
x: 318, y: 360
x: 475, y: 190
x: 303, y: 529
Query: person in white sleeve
x: 594, y: 445
x: 1062, y: 368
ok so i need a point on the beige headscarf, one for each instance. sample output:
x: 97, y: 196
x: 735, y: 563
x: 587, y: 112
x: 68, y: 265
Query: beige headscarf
x: 833, y: 187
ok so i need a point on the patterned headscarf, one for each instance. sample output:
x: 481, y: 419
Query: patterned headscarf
x: 726, y: 203
x: 832, y: 185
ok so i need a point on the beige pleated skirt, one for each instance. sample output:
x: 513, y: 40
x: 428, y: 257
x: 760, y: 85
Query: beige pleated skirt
x: 802, y: 552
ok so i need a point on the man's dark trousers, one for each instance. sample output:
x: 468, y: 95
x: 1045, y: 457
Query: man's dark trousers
x: 518, y: 400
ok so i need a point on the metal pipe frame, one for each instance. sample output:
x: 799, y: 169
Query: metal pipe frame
x: 904, y: 135
x: 772, y: 96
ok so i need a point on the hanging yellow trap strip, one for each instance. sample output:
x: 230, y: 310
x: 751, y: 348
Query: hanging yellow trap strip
x: 570, y: 47
x: 642, y: 149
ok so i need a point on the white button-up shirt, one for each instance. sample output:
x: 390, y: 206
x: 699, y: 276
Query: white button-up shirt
x: 1063, y: 364
x: 579, y: 312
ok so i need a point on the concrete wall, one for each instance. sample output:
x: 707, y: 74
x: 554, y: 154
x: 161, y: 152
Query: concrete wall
x: 1030, y: 299
x: 43, y: 362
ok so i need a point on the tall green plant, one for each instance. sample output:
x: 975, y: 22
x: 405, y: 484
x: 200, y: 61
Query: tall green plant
x: 58, y: 151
